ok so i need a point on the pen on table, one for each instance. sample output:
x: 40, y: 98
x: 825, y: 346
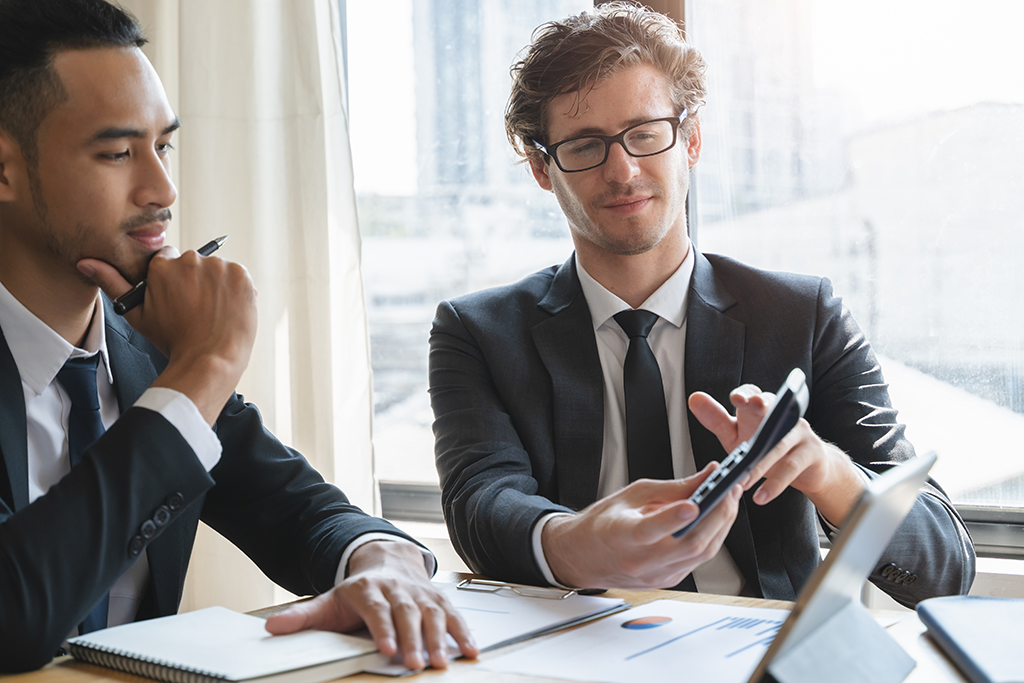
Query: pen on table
x: 135, y: 296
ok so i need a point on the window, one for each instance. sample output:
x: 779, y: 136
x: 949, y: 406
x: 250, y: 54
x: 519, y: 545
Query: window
x: 877, y: 143
x: 880, y: 144
x: 444, y: 206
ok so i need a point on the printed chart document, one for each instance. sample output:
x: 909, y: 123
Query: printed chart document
x: 666, y: 640
x: 217, y: 644
x: 501, y: 616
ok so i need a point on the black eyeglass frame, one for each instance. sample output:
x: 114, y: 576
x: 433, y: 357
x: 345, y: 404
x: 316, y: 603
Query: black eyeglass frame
x: 609, y: 139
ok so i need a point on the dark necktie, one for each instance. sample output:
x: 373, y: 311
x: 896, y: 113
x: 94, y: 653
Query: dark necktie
x: 78, y: 377
x: 648, y: 449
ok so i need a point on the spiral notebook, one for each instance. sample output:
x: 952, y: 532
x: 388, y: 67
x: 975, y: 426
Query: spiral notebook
x: 217, y: 644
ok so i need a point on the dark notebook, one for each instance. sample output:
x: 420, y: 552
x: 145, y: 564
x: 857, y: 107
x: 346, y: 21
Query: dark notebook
x: 981, y: 635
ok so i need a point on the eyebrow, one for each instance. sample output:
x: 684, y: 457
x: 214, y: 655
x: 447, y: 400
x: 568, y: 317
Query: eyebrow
x: 115, y: 133
x: 587, y: 132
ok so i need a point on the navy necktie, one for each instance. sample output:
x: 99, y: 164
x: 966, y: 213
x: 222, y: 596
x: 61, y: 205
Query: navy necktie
x: 648, y: 448
x: 78, y: 377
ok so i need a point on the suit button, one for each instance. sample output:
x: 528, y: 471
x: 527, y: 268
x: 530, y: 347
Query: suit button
x: 148, y: 529
x: 175, y: 501
x: 910, y: 579
x: 162, y: 515
x: 135, y: 546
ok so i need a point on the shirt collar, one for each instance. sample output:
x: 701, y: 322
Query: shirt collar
x: 38, y: 351
x: 668, y: 301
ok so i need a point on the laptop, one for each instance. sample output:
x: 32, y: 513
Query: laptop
x: 829, y: 629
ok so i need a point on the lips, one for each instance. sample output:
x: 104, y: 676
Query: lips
x: 628, y: 205
x: 150, y: 236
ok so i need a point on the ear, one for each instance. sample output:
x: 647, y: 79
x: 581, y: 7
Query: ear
x: 10, y: 161
x: 540, y: 170
x: 693, y: 144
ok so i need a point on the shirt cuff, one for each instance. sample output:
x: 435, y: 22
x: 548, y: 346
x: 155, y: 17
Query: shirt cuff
x: 182, y: 413
x: 538, y: 549
x: 429, y: 562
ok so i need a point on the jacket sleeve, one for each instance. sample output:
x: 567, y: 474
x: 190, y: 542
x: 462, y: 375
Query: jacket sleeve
x: 271, y: 503
x: 489, y: 490
x: 931, y: 553
x: 60, y: 554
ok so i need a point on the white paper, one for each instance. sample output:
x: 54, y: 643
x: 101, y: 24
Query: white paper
x: 502, y: 617
x: 683, y: 641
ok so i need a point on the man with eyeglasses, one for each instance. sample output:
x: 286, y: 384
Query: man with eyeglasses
x: 552, y: 395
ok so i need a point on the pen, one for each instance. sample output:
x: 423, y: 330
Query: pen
x: 134, y: 296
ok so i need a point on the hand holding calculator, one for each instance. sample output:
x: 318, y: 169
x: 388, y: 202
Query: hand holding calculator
x: 790, y: 404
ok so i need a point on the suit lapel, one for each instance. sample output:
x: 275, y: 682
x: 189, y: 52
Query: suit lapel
x: 714, y: 352
x: 134, y: 371
x: 714, y: 364
x: 568, y: 348
x: 131, y: 366
x: 13, y: 432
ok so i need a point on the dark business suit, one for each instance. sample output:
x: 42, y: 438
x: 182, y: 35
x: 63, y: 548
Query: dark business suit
x: 517, y: 392
x: 139, y: 489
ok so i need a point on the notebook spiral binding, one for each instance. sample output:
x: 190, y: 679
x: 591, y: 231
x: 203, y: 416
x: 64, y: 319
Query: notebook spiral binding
x: 155, y: 669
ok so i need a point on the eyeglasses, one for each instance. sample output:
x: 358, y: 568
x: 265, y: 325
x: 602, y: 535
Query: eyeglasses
x: 642, y: 140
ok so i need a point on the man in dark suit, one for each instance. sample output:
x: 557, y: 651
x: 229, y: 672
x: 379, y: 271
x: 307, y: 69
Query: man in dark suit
x: 85, y: 132
x: 533, y: 426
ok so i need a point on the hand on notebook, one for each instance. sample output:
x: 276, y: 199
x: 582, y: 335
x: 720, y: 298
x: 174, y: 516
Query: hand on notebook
x: 801, y: 459
x: 388, y: 590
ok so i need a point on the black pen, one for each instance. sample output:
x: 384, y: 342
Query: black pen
x: 135, y: 296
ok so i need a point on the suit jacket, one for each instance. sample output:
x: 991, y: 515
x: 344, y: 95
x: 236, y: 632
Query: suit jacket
x: 517, y: 393
x: 140, y: 489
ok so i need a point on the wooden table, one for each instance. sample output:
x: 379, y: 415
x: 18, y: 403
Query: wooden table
x: 932, y: 665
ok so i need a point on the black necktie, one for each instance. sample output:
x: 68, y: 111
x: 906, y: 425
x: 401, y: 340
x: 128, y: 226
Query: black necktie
x: 648, y: 450
x: 78, y: 377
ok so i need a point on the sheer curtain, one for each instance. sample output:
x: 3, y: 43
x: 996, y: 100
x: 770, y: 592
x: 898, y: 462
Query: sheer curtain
x: 263, y: 156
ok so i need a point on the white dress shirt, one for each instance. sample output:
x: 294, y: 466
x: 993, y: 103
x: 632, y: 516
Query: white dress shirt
x: 40, y: 353
x: 668, y: 342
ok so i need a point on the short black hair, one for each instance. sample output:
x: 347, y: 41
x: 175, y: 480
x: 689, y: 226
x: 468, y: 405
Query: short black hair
x: 32, y: 32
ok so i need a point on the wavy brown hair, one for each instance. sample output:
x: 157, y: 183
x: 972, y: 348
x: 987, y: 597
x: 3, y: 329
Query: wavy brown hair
x: 577, y: 53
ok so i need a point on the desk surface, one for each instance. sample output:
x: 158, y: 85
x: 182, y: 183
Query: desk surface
x: 932, y: 665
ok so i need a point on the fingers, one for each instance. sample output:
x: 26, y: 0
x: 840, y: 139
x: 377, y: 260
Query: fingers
x: 421, y: 617
x: 751, y: 406
x: 109, y: 279
x: 702, y: 542
x: 105, y: 276
x: 665, y: 522
x: 800, y: 460
x: 459, y: 630
x: 714, y: 416
x: 405, y: 614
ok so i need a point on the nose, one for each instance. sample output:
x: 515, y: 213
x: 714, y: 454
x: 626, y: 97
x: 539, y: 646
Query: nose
x: 620, y: 166
x: 153, y: 185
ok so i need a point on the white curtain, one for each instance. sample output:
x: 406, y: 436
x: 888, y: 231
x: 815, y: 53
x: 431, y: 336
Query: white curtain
x: 263, y: 156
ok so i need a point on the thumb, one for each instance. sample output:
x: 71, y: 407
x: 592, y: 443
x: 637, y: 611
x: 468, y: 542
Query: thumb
x: 324, y: 612
x: 105, y: 276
